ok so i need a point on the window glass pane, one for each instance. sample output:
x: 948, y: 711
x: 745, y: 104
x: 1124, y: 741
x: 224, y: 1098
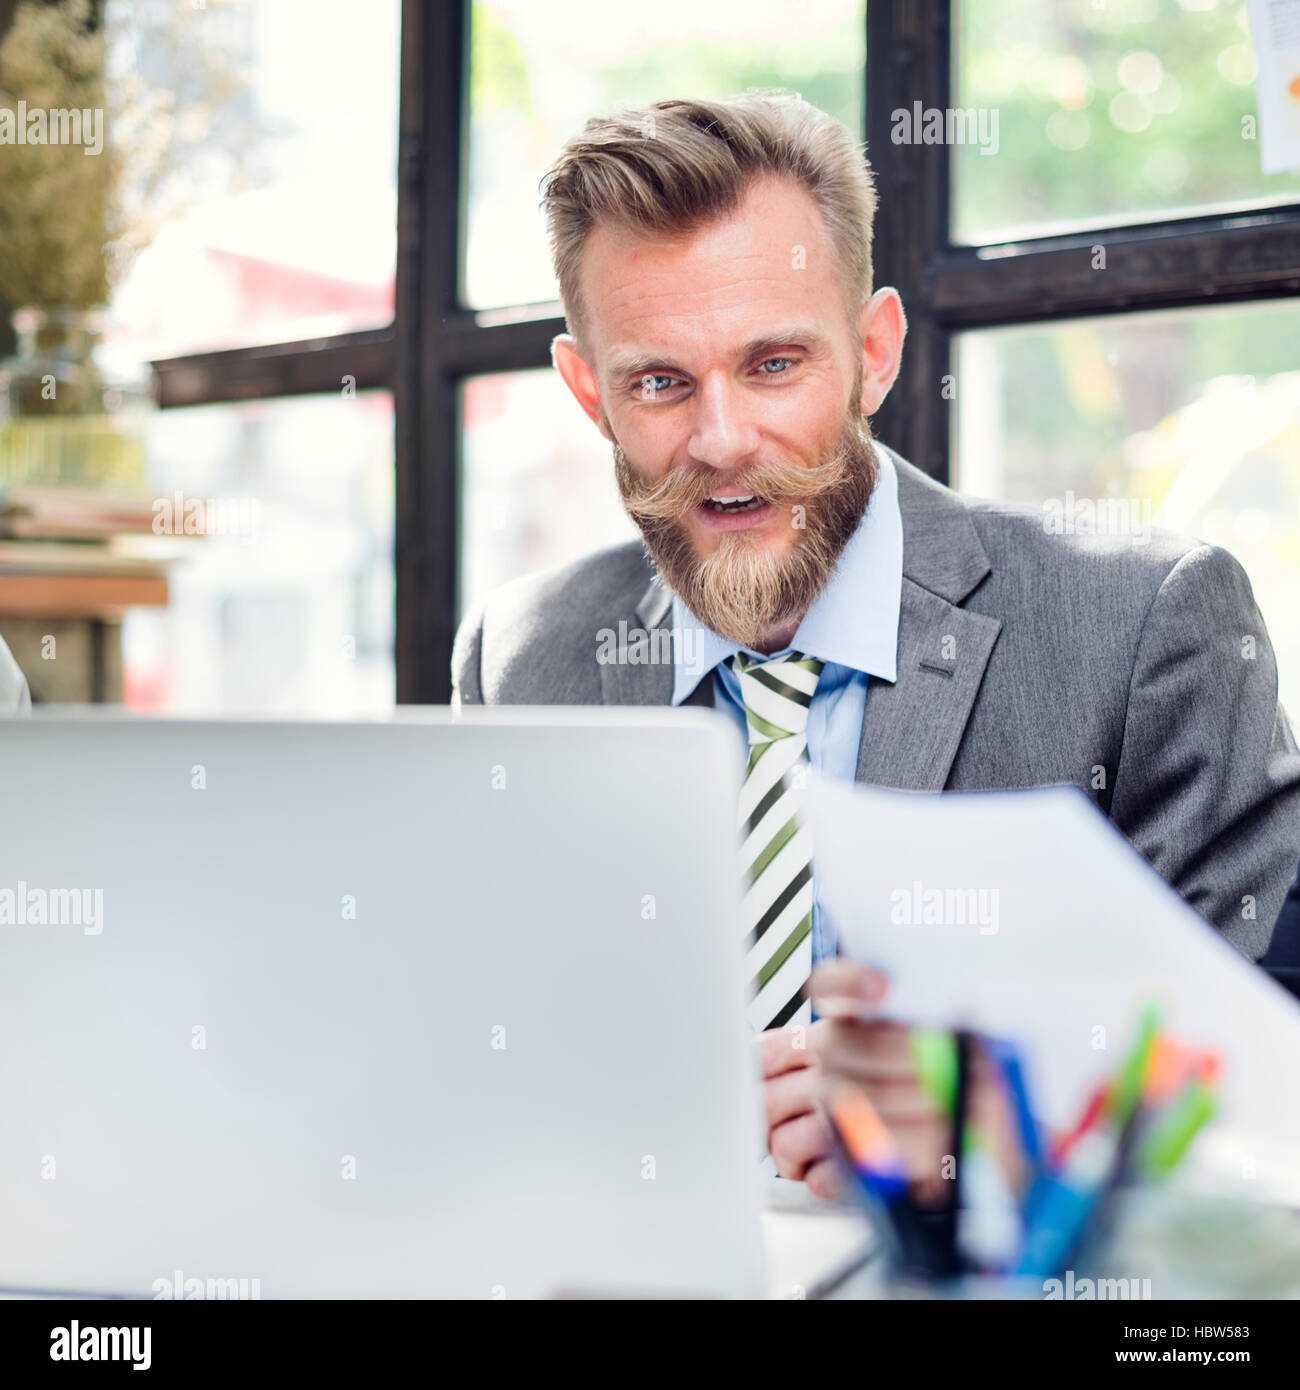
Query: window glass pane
x: 539, y: 71
x: 538, y: 486
x: 289, y: 607
x: 1185, y: 419
x: 278, y: 206
x: 1126, y: 111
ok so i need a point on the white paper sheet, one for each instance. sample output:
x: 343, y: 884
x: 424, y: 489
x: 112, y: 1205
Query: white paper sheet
x: 1028, y: 915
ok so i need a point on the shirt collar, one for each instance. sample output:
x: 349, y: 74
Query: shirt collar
x: 853, y: 622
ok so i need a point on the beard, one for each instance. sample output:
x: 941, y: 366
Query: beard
x: 741, y: 590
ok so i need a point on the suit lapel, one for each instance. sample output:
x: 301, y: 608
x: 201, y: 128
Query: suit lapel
x: 911, y: 730
x: 643, y: 673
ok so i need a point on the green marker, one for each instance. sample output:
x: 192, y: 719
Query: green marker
x: 934, y: 1054
x: 1127, y: 1088
x: 1172, y: 1132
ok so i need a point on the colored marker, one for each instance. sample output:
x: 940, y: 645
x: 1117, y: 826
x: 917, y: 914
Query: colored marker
x: 1166, y: 1141
x: 1008, y: 1061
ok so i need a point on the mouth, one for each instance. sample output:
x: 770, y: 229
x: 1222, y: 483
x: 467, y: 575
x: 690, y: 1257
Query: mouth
x: 730, y: 513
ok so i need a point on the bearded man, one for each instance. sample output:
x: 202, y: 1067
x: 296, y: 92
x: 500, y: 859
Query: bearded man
x: 714, y: 261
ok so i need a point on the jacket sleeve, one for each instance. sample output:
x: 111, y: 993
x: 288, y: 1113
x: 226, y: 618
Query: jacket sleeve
x: 1208, y: 783
x: 466, y: 653
x: 15, y: 698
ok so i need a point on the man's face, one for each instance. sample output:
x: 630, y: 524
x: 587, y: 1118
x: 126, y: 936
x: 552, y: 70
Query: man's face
x: 729, y: 382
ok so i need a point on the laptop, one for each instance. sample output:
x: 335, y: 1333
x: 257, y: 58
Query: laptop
x: 446, y: 1006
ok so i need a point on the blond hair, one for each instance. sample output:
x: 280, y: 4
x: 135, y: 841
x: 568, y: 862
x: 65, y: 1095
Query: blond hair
x: 677, y: 165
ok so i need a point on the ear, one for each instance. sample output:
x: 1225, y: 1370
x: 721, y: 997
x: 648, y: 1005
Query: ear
x: 579, y: 378
x: 882, y: 326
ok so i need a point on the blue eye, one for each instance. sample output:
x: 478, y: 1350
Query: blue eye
x: 650, y: 384
x: 764, y: 365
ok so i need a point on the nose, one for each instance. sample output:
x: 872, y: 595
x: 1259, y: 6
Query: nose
x: 722, y: 434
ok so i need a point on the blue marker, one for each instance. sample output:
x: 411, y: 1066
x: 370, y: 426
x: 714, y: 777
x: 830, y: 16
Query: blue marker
x: 1008, y: 1060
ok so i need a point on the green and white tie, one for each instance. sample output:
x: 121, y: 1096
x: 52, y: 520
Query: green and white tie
x: 776, y: 852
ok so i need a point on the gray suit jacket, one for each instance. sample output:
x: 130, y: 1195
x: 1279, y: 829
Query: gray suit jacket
x: 1142, y: 674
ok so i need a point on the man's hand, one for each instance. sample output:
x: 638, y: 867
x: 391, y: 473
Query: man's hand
x: 851, y: 1043
x: 854, y: 1046
x: 798, y: 1133
x: 798, y: 1062
x: 873, y: 1053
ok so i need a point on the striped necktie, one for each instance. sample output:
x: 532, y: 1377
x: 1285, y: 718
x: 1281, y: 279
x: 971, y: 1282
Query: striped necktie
x: 776, y: 853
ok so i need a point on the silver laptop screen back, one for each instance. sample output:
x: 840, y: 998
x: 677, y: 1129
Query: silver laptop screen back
x: 438, y: 1007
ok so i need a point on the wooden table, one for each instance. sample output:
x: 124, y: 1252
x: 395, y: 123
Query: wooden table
x: 64, y: 627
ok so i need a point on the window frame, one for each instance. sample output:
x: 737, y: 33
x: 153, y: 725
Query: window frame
x: 436, y: 342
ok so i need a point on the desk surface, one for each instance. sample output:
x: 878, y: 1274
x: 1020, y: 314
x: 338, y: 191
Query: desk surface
x: 807, y: 1239
x: 1190, y: 1244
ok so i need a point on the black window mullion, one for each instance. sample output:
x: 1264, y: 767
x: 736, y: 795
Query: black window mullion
x: 1188, y: 261
x: 908, y: 61
x: 469, y: 347
x: 311, y: 367
x: 430, y: 233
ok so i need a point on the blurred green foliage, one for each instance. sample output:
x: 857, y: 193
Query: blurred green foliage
x: 1107, y: 113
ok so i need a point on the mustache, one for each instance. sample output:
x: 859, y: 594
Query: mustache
x: 681, y: 490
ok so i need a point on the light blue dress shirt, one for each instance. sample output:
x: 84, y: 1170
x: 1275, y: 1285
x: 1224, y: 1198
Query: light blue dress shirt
x: 852, y: 627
